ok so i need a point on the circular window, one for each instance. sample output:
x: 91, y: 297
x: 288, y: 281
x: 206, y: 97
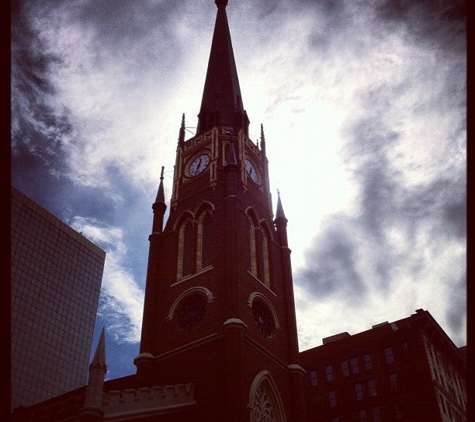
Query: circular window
x: 191, y: 311
x: 263, y: 318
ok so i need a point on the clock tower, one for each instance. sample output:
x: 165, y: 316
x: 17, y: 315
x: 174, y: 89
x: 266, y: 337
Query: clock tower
x: 219, y: 307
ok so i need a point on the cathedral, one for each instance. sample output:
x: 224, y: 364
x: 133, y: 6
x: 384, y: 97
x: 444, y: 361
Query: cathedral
x: 219, y: 337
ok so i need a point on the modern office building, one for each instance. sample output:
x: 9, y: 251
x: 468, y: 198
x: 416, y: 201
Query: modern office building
x: 56, y: 276
x: 407, y: 370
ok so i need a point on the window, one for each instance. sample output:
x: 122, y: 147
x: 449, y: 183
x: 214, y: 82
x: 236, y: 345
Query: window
x: 388, y: 352
x: 393, y: 381
x: 354, y: 366
x: 264, y: 275
x: 336, y: 419
x: 258, y: 252
x: 407, y: 350
x: 372, y: 388
x: 195, y: 245
x: 190, y: 311
x: 332, y: 398
x: 187, y: 250
x: 329, y: 372
x: 313, y: 378
x: 376, y: 414
x: 359, y: 391
x: 345, y: 369
x: 367, y: 361
x: 252, y: 258
x: 362, y: 416
x: 205, y: 240
x: 398, y: 410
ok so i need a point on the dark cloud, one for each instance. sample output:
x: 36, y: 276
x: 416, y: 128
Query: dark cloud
x: 331, y: 265
x: 38, y: 124
x: 457, y: 310
x: 434, y: 22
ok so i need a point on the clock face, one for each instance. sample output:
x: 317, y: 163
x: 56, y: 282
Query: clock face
x: 191, y: 311
x: 251, y: 170
x: 263, y: 318
x: 199, y: 164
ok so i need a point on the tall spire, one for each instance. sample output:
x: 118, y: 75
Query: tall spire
x: 221, y: 104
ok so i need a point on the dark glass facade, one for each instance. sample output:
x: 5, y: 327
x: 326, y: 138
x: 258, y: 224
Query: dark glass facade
x: 56, y: 276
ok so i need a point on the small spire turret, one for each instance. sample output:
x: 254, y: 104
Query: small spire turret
x: 280, y: 222
x: 181, y: 133
x: 263, y: 141
x: 159, y: 207
x: 161, y: 192
x: 92, y: 409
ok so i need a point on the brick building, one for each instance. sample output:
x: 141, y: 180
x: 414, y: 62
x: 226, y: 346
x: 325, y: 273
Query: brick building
x: 404, y: 370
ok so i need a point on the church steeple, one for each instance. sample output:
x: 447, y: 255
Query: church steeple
x: 222, y: 104
x: 219, y: 296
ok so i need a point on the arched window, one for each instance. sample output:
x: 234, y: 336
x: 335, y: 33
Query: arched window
x: 265, y: 403
x: 190, y: 307
x: 195, y: 244
x: 252, y: 247
x: 205, y: 240
x: 258, y: 249
x: 186, y: 249
x: 264, y: 273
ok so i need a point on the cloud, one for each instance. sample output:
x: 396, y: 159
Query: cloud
x: 121, y: 299
x: 363, y: 105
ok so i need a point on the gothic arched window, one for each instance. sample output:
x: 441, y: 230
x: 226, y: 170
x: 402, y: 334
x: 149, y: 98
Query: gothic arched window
x: 195, y: 244
x: 252, y: 247
x: 265, y: 403
x: 258, y: 250
x: 186, y: 251
x: 205, y: 240
x: 264, y: 273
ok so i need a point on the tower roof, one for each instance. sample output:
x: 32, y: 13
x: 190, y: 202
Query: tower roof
x: 221, y: 103
x: 100, y: 354
x: 161, y: 192
x: 280, y: 209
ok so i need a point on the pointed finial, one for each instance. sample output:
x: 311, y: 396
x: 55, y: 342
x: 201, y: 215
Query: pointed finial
x: 100, y: 354
x: 280, y: 210
x: 181, y: 133
x: 221, y: 2
x: 161, y: 191
x: 263, y: 140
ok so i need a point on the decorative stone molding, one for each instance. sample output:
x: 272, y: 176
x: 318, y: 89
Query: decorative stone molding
x: 234, y: 323
x: 147, y: 400
x: 143, y: 358
x: 205, y: 291
x: 296, y: 368
x: 255, y: 295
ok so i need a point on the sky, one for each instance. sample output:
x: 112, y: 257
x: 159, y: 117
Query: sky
x: 363, y: 105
